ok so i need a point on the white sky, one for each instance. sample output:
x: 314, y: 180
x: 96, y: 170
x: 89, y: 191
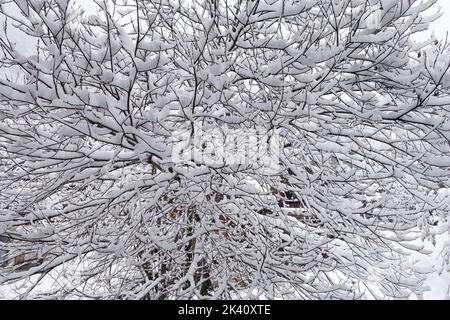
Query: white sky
x: 441, y: 26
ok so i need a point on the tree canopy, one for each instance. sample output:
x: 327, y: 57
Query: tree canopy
x: 88, y: 183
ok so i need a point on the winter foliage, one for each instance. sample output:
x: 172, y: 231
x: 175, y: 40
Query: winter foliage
x: 89, y: 190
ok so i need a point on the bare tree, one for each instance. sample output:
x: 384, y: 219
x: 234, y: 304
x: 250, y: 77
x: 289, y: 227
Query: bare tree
x: 89, y: 189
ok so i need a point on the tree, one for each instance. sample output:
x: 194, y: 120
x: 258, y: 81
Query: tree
x: 88, y: 121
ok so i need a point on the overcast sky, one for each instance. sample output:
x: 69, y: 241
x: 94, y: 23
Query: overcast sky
x: 443, y: 24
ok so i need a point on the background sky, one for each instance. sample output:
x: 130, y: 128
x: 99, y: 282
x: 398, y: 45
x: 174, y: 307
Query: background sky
x: 442, y: 25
